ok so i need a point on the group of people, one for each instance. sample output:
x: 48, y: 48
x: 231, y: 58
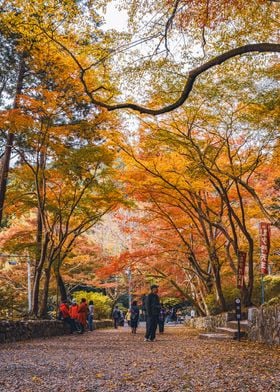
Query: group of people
x: 77, y: 316
x: 80, y: 316
x: 132, y: 316
x: 155, y: 315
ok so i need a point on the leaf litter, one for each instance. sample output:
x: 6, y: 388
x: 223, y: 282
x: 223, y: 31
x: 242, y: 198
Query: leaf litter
x: 115, y: 360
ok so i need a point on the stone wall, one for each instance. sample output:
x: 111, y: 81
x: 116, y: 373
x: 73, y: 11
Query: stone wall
x: 98, y: 324
x: 208, y: 323
x: 12, y: 331
x: 264, y: 324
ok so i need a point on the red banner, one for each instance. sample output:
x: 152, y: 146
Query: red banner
x: 264, y: 245
x: 241, y: 268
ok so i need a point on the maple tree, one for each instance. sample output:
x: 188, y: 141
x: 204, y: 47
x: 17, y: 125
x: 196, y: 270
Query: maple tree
x: 199, y: 172
x: 217, y: 11
x: 92, y: 51
x: 202, y: 174
x: 65, y: 173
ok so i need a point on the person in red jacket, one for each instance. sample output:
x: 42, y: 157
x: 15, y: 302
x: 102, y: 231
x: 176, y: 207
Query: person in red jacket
x: 73, y: 310
x: 74, y: 314
x: 64, y: 311
x: 82, y: 314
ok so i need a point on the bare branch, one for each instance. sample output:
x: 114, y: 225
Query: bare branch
x: 169, y: 24
x: 193, y: 74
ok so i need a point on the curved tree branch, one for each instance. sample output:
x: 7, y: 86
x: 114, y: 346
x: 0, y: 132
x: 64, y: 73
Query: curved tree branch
x: 192, y: 75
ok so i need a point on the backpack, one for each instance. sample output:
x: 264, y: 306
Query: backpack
x: 161, y: 315
x: 116, y: 314
x: 133, y: 315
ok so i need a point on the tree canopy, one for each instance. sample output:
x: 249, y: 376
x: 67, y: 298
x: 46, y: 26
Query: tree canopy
x: 180, y: 177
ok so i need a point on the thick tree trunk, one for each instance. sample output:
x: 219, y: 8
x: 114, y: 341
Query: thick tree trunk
x: 203, y: 301
x: 218, y: 286
x: 45, y: 294
x: 9, y: 144
x: 61, y: 286
x: 38, y: 275
x: 39, y: 237
x: 41, y: 184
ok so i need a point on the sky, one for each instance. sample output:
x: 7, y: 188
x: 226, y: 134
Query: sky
x: 114, y: 18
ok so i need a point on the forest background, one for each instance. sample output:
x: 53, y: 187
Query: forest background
x: 149, y: 154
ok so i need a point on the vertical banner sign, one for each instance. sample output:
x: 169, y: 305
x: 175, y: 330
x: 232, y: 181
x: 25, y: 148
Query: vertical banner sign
x: 241, y: 268
x: 264, y: 245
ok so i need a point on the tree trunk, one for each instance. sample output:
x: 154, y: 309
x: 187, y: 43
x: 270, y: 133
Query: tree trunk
x: 61, y: 286
x: 218, y: 287
x: 41, y: 184
x: 39, y: 237
x: 202, y: 296
x: 37, y: 276
x: 45, y: 295
x: 9, y: 144
x: 248, y: 291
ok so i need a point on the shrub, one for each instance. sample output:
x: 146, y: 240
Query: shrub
x: 212, y: 303
x: 271, y: 288
x: 273, y: 301
x: 102, y: 303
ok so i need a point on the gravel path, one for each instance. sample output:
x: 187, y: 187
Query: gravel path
x: 109, y: 360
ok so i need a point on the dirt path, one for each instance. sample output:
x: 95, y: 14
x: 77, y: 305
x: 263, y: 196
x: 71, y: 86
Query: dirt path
x: 109, y: 360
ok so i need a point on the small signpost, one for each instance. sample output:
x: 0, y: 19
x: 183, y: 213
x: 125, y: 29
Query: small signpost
x: 241, y: 269
x: 238, y: 316
x: 264, y: 229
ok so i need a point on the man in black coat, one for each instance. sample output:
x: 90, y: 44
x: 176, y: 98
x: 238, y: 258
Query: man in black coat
x: 152, y: 312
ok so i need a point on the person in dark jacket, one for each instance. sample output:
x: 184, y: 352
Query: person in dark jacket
x: 161, y: 318
x: 116, y: 316
x: 153, y: 310
x: 134, y: 316
x: 90, y: 315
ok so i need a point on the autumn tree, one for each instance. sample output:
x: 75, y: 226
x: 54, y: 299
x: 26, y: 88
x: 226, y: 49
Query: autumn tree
x: 199, y: 170
x: 65, y: 172
x: 207, y: 163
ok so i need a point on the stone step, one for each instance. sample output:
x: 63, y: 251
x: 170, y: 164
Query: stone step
x: 215, y: 336
x: 231, y: 332
x: 244, y: 325
x: 227, y: 330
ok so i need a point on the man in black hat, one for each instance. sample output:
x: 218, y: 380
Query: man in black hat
x: 152, y: 311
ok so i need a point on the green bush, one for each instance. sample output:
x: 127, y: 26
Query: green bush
x: 271, y: 288
x: 272, y: 294
x: 230, y: 293
x: 170, y: 301
x: 102, y: 303
x: 212, y: 303
x: 121, y: 307
x: 273, y: 301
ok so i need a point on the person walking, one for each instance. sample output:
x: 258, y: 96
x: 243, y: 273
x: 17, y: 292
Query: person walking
x: 82, y: 314
x: 153, y: 310
x: 161, y: 318
x: 134, y: 316
x: 121, y: 319
x: 174, y: 315
x: 128, y: 317
x: 90, y: 315
x: 116, y: 316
